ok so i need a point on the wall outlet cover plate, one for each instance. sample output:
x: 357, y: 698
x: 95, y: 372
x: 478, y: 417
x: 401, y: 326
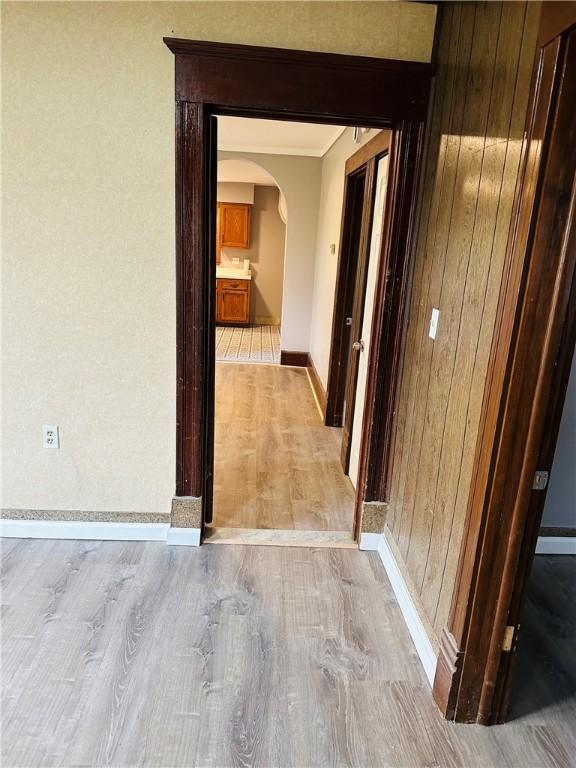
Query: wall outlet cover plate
x: 50, y: 436
x: 434, y: 323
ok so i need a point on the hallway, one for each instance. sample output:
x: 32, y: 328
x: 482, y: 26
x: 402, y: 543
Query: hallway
x: 140, y: 654
x: 276, y: 465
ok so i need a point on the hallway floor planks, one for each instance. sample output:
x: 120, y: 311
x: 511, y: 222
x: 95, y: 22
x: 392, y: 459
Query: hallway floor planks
x: 275, y: 464
x: 140, y: 654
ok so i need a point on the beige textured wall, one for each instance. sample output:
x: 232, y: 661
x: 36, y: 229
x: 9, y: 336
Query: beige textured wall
x: 266, y: 254
x: 235, y: 192
x: 88, y: 323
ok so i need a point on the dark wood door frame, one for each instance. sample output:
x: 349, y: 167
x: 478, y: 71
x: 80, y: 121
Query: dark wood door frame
x: 526, y: 384
x: 217, y: 79
x: 356, y: 221
x: 351, y: 363
x: 350, y: 237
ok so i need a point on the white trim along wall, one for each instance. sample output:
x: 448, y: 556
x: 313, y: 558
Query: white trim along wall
x: 99, y: 531
x: 428, y: 656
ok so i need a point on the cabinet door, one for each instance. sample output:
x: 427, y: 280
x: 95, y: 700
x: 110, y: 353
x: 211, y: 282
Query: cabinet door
x: 218, y: 233
x: 234, y: 225
x: 233, y: 306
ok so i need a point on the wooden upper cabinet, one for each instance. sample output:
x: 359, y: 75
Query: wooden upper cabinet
x: 233, y: 225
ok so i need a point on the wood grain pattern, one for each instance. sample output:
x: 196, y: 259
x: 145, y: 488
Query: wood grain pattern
x: 276, y: 464
x: 139, y: 654
x: 348, y: 255
x: 528, y: 369
x: 485, y: 52
x: 283, y: 537
x: 234, y: 225
x: 191, y: 314
x: 232, y: 301
x: 330, y: 88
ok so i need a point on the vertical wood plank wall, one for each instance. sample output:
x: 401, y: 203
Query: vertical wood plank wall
x: 485, y: 61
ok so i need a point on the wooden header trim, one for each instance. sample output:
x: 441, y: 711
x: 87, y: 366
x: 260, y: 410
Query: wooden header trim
x: 182, y: 47
x: 307, y: 86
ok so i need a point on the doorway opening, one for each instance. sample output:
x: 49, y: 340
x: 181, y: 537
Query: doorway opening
x: 250, y: 255
x: 526, y: 387
x: 217, y: 79
x: 300, y: 218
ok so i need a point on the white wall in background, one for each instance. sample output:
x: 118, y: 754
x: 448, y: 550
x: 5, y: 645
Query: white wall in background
x: 326, y: 262
x: 235, y: 192
x: 299, y: 180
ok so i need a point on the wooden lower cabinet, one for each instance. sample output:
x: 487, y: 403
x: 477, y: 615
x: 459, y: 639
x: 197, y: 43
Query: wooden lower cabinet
x: 232, y: 301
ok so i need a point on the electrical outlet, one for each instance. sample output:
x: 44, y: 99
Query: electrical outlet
x: 434, y: 323
x: 50, y: 436
x: 235, y: 260
x: 332, y: 248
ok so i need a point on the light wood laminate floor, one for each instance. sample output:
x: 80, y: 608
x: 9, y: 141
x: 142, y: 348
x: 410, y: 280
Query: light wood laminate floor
x: 276, y: 464
x: 140, y: 654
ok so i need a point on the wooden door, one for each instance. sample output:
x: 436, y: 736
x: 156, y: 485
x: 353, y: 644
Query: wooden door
x: 553, y: 263
x: 377, y: 227
x: 353, y: 239
x: 526, y: 383
x: 234, y: 225
x: 357, y: 313
x: 354, y: 188
x: 233, y: 305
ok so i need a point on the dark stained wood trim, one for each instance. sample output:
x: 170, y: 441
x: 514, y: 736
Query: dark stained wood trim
x: 299, y: 359
x: 559, y: 17
x: 210, y: 214
x: 352, y: 363
x: 317, y: 386
x: 348, y: 256
x: 374, y: 148
x: 191, y: 309
x: 534, y: 322
x: 214, y: 79
x: 326, y: 87
x: 552, y: 530
x: 355, y: 220
x: 447, y: 669
x: 532, y: 530
x: 390, y: 312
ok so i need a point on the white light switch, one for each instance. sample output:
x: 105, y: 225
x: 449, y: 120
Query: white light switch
x: 434, y: 323
x: 50, y: 436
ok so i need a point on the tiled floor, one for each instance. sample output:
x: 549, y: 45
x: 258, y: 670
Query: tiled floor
x: 253, y: 344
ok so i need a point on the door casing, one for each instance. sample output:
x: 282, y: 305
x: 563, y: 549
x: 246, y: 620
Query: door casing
x: 360, y: 169
x: 526, y: 384
x: 247, y: 81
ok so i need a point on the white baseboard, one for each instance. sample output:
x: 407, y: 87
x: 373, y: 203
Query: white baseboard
x: 79, y: 529
x: 413, y: 622
x: 369, y: 541
x: 556, y: 545
x: 189, y: 537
